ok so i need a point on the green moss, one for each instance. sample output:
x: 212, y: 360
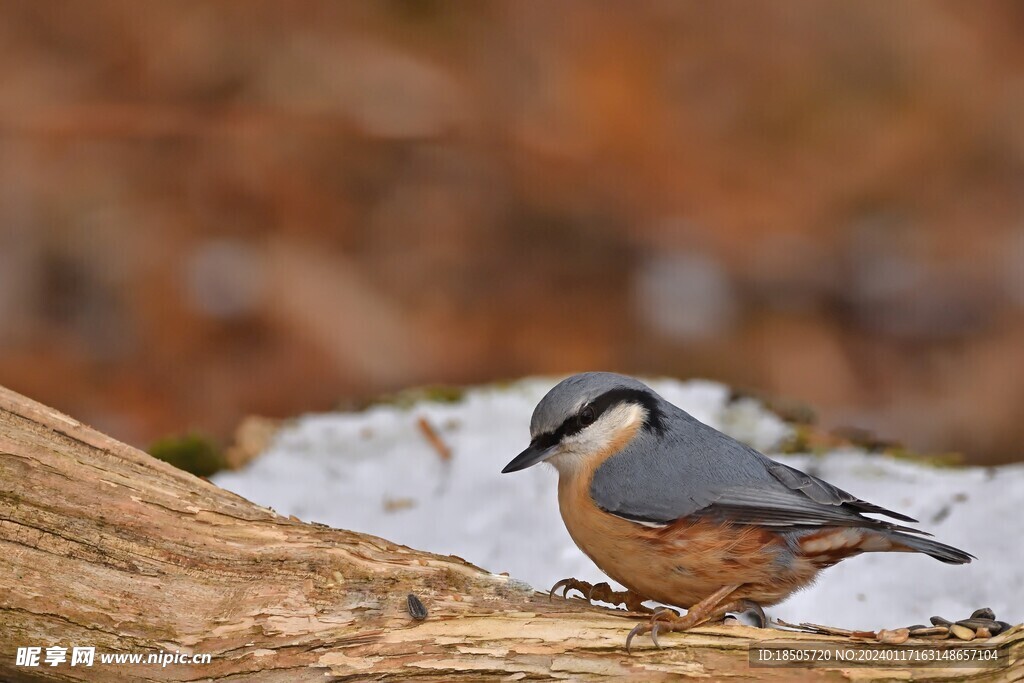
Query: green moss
x: 791, y: 411
x: 808, y: 439
x: 433, y: 393
x: 799, y: 441
x: 192, y: 452
x: 933, y: 459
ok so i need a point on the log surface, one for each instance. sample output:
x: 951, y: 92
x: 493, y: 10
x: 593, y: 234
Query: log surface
x: 102, y: 545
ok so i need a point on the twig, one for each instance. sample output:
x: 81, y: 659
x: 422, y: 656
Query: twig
x: 443, y: 451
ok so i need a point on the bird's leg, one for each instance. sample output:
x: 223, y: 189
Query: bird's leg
x: 667, y: 620
x: 634, y: 602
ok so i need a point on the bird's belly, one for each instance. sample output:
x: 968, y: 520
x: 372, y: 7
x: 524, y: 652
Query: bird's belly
x: 685, y: 562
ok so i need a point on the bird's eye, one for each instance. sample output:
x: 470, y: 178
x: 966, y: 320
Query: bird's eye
x: 587, y: 416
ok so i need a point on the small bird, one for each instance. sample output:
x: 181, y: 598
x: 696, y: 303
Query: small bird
x: 681, y: 514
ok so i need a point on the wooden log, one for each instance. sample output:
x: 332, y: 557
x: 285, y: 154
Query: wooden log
x: 103, y: 546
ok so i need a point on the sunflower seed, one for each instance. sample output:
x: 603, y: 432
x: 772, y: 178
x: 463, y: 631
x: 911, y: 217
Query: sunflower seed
x: 925, y: 631
x: 416, y: 608
x: 983, y: 613
x: 937, y: 636
x: 939, y: 621
x: 979, y: 623
x: 961, y: 632
x: 896, y: 637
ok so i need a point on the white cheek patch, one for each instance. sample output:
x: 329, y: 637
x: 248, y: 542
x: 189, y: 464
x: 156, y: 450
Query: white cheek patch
x: 576, y: 449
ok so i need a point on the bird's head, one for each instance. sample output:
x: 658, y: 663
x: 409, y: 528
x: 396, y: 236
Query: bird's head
x: 588, y: 416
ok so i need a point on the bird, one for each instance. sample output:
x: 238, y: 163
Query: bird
x: 683, y: 515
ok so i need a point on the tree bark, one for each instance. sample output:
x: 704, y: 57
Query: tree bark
x: 102, y: 545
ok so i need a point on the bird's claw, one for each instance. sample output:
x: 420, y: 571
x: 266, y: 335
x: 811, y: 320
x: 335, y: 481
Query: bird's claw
x: 637, y: 630
x: 663, y: 619
x: 600, y: 592
x: 567, y: 585
x: 755, y: 612
x: 652, y: 627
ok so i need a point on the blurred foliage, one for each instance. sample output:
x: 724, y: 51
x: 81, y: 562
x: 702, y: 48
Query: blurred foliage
x: 407, y: 398
x: 209, y: 210
x: 192, y: 452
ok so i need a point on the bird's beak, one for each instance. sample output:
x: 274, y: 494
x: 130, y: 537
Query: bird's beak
x: 528, y: 458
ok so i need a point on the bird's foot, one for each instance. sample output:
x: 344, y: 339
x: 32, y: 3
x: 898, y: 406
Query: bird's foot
x: 740, y: 608
x: 602, y: 592
x: 663, y: 619
x: 752, y: 610
x: 666, y: 620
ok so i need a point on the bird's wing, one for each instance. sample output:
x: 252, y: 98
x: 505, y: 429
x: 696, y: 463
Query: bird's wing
x: 697, y: 470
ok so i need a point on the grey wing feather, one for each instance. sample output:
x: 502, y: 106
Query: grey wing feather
x: 820, y: 491
x: 696, y: 470
x: 773, y: 508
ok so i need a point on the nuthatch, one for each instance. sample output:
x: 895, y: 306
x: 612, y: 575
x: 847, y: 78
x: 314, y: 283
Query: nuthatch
x: 681, y: 514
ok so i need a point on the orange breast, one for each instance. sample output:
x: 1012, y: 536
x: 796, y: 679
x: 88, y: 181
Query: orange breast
x: 682, y: 563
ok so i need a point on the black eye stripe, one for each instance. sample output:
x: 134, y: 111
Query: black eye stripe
x: 546, y: 440
x: 607, y: 400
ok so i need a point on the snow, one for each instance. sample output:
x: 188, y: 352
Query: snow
x: 376, y: 472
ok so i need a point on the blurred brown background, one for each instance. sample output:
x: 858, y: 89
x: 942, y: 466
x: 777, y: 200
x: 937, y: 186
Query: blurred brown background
x: 215, y: 209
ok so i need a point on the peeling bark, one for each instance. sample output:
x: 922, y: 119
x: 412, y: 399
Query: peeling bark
x: 102, y: 545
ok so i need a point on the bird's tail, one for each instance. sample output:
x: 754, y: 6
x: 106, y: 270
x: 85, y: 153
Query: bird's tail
x: 901, y: 542
x: 827, y: 546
